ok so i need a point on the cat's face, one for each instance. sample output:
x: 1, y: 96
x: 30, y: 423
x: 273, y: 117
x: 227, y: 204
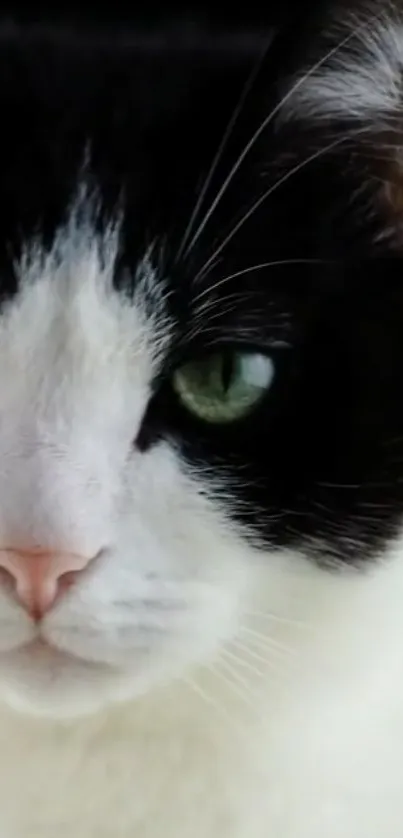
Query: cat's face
x: 203, y: 405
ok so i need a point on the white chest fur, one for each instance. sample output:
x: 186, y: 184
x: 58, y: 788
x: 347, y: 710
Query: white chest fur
x: 317, y: 752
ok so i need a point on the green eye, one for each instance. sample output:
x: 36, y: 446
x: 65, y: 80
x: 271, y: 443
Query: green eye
x: 224, y: 387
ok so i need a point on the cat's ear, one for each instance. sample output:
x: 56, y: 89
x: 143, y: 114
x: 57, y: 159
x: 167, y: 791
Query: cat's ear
x: 390, y: 183
x: 351, y: 87
x: 351, y: 70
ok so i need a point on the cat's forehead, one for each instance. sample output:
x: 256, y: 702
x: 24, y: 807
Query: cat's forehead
x: 134, y: 127
x: 68, y: 330
x: 148, y: 117
x: 141, y: 128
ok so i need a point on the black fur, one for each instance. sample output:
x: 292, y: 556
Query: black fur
x: 319, y: 463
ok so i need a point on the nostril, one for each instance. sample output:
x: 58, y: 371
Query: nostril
x: 7, y: 580
x: 68, y: 580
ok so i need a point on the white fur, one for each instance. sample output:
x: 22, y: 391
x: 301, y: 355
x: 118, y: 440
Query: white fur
x: 359, y: 78
x: 217, y: 692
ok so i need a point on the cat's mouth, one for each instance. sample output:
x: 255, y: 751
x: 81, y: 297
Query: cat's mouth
x: 39, y: 645
x: 42, y: 650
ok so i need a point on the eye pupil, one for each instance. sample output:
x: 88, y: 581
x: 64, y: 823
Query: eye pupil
x: 227, y: 370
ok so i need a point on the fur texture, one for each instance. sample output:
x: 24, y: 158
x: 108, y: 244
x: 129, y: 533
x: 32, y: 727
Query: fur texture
x: 230, y: 664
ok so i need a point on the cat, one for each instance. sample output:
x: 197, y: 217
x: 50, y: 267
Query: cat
x: 201, y: 431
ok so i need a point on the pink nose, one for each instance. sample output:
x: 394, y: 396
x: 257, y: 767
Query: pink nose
x: 38, y: 578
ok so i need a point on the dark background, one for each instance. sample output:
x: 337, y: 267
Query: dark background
x: 151, y: 14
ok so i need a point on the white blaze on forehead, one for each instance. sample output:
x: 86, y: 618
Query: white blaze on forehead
x: 77, y: 360
x: 71, y: 285
x: 360, y: 78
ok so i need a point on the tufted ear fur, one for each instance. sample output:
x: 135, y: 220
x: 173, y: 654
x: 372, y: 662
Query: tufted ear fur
x: 349, y: 87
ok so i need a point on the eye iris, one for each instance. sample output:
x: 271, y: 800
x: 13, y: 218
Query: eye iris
x: 223, y: 387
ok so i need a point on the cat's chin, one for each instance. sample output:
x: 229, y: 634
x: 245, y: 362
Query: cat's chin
x: 41, y: 680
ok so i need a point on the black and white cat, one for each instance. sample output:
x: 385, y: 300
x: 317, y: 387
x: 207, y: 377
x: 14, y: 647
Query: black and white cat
x: 201, y: 432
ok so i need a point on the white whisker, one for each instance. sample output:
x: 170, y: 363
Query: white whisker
x: 268, y: 642
x: 211, y: 702
x: 242, y: 686
x: 275, y: 618
x: 245, y: 648
x: 275, y: 186
x: 271, y: 668
x: 221, y: 148
x: 269, y: 119
x: 203, y: 271
x: 245, y: 664
x: 276, y: 264
x: 226, y: 716
x: 238, y: 685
